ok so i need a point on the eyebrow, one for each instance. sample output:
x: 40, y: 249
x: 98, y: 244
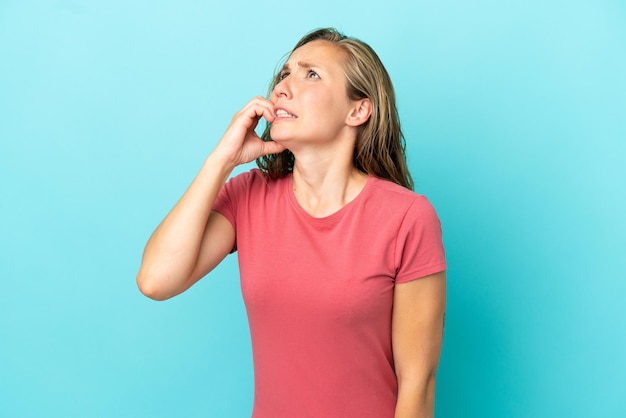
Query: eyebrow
x: 302, y: 64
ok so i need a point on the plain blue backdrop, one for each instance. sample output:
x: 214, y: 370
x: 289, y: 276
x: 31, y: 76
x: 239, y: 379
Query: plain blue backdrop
x: 514, y: 114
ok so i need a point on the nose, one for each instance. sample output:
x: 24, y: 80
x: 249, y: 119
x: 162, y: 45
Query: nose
x: 283, y: 89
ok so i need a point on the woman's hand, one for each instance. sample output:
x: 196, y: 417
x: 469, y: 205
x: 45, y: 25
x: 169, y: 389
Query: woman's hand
x: 240, y: 143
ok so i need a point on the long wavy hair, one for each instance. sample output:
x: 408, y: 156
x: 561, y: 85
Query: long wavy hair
x: 380, y: 146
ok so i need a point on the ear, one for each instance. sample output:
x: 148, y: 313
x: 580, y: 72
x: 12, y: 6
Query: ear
x: 360, y: 112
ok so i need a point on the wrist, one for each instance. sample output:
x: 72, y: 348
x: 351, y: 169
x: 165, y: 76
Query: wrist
x: 221, y: 162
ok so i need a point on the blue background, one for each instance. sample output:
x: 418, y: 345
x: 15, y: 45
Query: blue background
x: 514, y: 113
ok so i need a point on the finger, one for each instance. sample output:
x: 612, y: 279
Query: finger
x: 256, y: 109
x: 272, y: 147
x: 268, y: 108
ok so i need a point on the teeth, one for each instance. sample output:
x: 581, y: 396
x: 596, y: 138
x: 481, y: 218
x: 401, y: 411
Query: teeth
x: 283, y: 113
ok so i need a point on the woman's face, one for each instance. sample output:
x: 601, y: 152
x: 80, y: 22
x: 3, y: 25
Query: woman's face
x: 310, y: 100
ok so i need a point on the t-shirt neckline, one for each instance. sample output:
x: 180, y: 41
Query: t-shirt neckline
x: 333, y: 217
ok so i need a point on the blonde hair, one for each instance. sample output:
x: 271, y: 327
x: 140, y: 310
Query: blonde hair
x: 380, y: 144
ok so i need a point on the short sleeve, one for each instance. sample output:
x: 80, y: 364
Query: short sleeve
x: 419, y: 246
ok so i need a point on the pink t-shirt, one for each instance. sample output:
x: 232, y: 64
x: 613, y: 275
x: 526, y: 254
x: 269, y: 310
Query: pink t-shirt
x: 319, y: 292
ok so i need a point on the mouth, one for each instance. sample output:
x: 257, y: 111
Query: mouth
x: 282, y: 113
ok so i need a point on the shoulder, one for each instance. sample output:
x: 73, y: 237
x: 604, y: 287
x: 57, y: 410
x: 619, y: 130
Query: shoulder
x: 252, y: 182
x: 408, y: 208
x: 253, y: 176
x: 393, y: 194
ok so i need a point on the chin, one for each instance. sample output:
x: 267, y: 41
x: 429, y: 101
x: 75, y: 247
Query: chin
x: 278, y: 136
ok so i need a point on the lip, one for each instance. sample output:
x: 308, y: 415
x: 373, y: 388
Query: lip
x: 293, y: 116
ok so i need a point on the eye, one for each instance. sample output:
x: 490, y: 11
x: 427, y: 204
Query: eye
x: 312, y: 74
x: 282, y: 75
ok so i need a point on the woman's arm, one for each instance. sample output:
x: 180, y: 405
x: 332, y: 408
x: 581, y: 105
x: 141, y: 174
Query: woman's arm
x: 192, y: 239
x: 417, y: 333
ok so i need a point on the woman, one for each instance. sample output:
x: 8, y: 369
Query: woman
x: 330, y: 239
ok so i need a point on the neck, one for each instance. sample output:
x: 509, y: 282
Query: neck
x: 322, y: 186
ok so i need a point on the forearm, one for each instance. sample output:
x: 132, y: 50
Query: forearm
x: 416, y: 399
x: 171, y: 253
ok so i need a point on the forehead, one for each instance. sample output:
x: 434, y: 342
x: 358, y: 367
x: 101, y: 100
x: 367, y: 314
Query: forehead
x: 319, y: 53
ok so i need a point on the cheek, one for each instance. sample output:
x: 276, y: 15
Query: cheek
x: 325, y: 103
x: 273, y: 97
